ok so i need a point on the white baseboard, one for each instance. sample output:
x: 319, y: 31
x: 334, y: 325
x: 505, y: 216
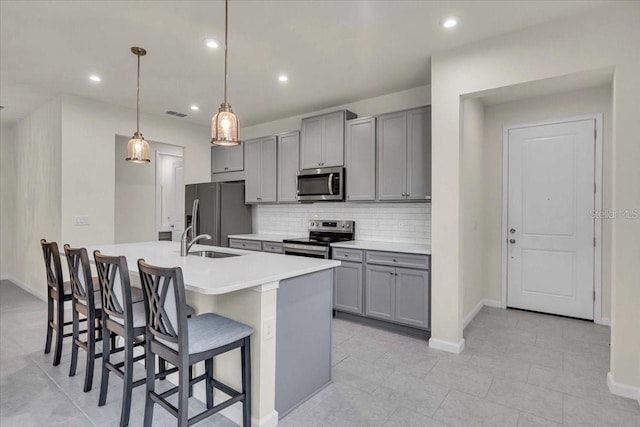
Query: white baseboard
x: 604, y: 321
x: 469, y: 317
x: 448, y: 346
x: 492, y: 303
x: 624, y: 390
x: 40, y: 295
x: 234, y: 413
x: 4, y: 277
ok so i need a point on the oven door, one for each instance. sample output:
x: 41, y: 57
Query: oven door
x: 306, y: 250
x: 321, y: 184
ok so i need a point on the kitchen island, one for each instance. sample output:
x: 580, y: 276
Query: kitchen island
x: 286, y: 299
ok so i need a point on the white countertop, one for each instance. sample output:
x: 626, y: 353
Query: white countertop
x: 264, y: 237
x: 214, y: 276
x: 371, y: 245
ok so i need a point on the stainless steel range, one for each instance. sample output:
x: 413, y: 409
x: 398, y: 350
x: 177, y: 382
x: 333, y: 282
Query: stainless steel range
x: 322, y: 233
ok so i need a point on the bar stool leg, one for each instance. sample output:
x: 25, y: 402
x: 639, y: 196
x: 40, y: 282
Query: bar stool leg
x: 59, y: 333
x: 183, y: 393
x: 74, y: 344
x: 150, y: 362
x: 47, y: 345
x: 246, y: 382
x: 208, y: 366
x: 106, y: 351
x: 91, y: 356
x: 128, y: 384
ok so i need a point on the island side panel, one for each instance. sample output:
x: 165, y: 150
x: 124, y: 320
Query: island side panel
x: 252, y: 307
x: 303, y: 338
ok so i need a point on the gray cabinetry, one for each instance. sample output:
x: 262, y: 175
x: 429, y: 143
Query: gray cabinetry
x: 273, y: 247
x: 348, y: 293
x: 249, y: 245
x: 227, y: 159
x: 322, y: 140
x: 412, y: 297
x: 404, y: 155
x: 288, y: 165
x: 260, y: 174
x: 381, y: 292
x: 360, y: 159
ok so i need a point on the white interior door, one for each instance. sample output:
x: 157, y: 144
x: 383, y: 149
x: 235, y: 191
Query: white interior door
x: 550, y: 246
x: 178, y: 200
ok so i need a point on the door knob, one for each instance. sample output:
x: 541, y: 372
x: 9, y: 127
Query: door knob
x: 513, y: 230
x: 512, y: 241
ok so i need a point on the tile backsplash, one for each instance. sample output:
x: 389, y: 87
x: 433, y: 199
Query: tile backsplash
x: 391, y: 222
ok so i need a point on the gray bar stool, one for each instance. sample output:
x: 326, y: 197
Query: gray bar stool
x: 185, y: 341
x: 58, y: 291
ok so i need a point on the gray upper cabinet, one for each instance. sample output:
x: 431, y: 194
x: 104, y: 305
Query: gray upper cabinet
x: 404, y: 155
x: 260, y: 173
x: 360, y: 159
x: 322, y: 140
x: 227, y: 159
x: 419, y: 154
x: 288, y: 165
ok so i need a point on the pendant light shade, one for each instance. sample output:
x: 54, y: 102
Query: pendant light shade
x: 138, y: 148
x: 225, y: 128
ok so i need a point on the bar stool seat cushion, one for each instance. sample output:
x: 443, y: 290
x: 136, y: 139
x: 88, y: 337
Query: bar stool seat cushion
x: 138, y: 315
x: 209, y: 331
x: 67, y: 288
x: 97, y: 298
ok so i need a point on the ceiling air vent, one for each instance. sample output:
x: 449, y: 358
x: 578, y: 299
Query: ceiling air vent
x: 175, y: 113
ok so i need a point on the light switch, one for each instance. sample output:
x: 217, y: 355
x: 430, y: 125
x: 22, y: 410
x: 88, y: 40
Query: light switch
x: 81, y: 220
x: 269, y: 328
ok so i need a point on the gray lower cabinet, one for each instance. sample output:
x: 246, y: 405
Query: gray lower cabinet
x: 381, y: 292
x: 260, y: 174
x: 348, y: 295
x: 249, y: 245
x: 273, y: 247
x: 288, y: 162
x: 404, y: 155
x: 360, y: 159
x: 412, y: 297
x: 227, y: 159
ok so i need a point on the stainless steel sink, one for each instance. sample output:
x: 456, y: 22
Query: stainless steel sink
x: 212, y: 254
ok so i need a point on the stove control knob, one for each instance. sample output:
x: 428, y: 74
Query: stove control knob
x: 343, y: 225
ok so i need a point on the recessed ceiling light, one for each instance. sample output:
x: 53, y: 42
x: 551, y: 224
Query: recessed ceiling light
x: 195, y: 108
x: 95, y: 78
x: 213, y: 44
x: 449, y: 22
x: 283, y: 78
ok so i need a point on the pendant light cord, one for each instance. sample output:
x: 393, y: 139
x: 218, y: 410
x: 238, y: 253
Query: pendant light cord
x: 226, y: 28
x: 138, y: 102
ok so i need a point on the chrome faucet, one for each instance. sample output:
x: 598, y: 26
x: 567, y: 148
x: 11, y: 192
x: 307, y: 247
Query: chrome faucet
x: 184, y: 245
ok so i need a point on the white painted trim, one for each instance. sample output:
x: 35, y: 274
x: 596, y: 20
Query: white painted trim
x: 597, y: 273
x: 40, y: 295
x: 234, y: 413
x: 4, y: 277
x: 448, y: 346
x: 265, y: 287
x: 624, y: 390
x: 604, y: 321
x: 469, y: 317
x: 492, y: 303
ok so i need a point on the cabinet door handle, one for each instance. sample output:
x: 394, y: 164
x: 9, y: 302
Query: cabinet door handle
x: 226, y: 169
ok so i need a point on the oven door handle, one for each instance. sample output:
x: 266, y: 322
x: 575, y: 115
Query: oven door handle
x: 329, y: 184
x: 292, y: 251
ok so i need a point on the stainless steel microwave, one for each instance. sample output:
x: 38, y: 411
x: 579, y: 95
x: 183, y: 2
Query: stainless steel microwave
x: 323, y: 184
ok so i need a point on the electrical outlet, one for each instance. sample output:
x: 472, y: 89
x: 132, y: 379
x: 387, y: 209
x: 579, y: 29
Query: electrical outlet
x: 81, y: 220
x: 269, y: 328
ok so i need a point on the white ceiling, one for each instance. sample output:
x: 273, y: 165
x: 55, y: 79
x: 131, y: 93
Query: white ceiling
x: 334, y: 52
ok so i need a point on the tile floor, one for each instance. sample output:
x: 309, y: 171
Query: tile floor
x: 518, y: 369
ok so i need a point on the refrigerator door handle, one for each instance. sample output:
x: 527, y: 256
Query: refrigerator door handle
x: 194, y: 217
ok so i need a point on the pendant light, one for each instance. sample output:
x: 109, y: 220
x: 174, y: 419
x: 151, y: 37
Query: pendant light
x: 224, y: 125
x: 138, y: 148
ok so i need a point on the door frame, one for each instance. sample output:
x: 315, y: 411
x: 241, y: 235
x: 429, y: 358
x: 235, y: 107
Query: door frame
x: 158, y: 196
x: 597, y: 265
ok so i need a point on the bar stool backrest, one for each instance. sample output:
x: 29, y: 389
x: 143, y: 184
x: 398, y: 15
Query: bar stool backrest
x: 80, y: 274
x: 165, y: 304
x: 52, y: 265
x: 113, y: 275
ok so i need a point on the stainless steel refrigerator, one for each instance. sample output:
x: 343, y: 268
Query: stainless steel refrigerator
x: 218, y: 209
